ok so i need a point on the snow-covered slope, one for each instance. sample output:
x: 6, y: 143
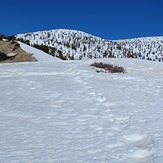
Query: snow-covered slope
x: 38, y: 54
x: 66, y: 112
x: 71, y: 44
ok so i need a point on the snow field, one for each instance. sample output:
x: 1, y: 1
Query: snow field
x: 66, y: 112
x: 145, y: 151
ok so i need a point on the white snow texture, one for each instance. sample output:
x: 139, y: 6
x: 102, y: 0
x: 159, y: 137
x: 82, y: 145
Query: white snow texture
x: 66, y: 112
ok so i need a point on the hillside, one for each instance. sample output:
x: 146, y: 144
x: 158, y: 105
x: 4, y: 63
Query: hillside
x: 66, y: 112
x: 12, y: 50
x: 71, y: 44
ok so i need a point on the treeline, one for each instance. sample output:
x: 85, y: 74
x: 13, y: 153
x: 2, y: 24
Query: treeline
x: 47, y: 49
x: 23, y: 41
x: 71, y: 45
x: 10, y: 38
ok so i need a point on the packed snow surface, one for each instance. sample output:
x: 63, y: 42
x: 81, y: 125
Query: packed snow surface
x: 66, y: 112
x: 38, y: 54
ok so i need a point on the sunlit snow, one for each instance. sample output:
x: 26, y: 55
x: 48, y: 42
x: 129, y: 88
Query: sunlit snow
x: 66, y: 112
x: 79, y: 45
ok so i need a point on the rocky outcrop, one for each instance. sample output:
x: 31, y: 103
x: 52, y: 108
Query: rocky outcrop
x: 10, y: 51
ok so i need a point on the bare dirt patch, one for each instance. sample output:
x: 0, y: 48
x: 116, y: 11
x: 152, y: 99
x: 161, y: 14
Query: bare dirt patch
x: 13, y: 47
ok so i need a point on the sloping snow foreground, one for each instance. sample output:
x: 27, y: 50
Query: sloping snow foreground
x: 38, y: 54
x: 66, y: 112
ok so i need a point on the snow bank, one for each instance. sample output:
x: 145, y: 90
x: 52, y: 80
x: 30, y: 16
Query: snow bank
x: 38, y: 54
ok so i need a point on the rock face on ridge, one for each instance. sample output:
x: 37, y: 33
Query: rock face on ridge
x: 10, y: 51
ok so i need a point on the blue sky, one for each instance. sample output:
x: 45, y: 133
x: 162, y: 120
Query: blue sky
x: 110, y: 19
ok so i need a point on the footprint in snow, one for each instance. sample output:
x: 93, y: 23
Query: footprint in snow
x: 101, y: 99
x: 139, y: 140
x: 108, y: 104
x: 142, y: 156
x: 121, y: 120
x: 145, y: 152
x: 78, y: 79
x: 91, y: 92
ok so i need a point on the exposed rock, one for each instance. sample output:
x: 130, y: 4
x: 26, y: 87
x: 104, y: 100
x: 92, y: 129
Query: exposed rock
x: 11, y: 52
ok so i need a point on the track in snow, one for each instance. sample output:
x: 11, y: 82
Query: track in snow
x: 145, y: 151
x: 65, y: 112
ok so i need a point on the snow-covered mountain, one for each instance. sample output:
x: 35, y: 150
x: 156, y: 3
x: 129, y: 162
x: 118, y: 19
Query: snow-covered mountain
x: 67, y: 112
x: 72, y: 44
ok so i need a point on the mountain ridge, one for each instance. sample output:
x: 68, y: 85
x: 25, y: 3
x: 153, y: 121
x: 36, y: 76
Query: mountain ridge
x: 72, y: 44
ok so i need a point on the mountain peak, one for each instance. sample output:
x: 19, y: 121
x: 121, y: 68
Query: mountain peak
x: 73, y: 44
